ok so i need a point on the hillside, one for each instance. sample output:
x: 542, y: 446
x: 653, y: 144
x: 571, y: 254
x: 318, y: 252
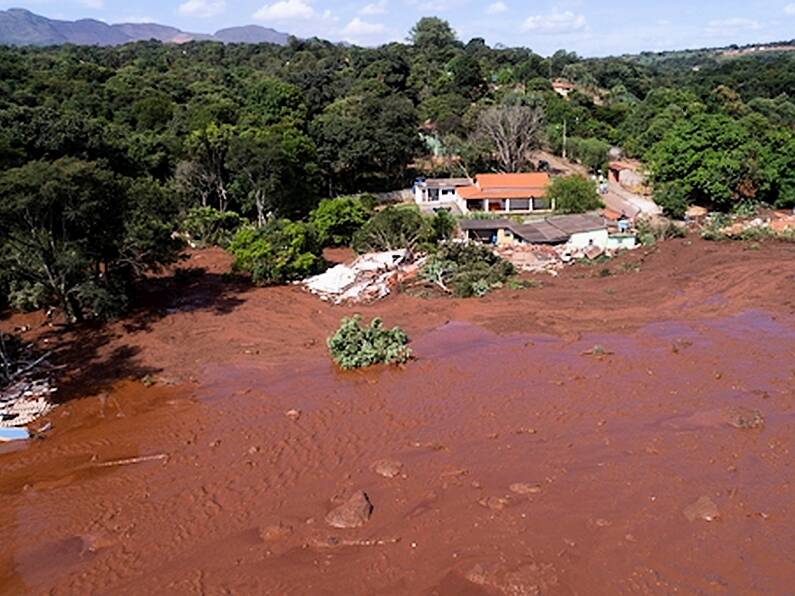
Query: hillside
x: 21, y: 27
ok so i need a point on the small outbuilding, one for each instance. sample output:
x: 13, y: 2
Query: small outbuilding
x: 581, y: 231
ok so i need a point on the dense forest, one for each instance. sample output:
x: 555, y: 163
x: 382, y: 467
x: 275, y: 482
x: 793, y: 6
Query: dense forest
x: 103, y: 151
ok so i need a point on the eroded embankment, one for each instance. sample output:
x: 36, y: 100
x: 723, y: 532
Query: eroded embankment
x: 529, y: 461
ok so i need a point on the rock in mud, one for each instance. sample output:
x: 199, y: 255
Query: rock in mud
x: 494, y: 503
x: 293, y: 415
x: 275, y: 533
x: 704, y: 509
x: 745, y: 419
x: 525, y: 488
x: 353, y: 514
x: 388, y: 468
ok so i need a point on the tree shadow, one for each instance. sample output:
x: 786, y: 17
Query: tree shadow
x: 84, y: 366
x: 90, y: 358
x: 187, y: 290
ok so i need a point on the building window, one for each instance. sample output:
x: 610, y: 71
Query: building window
x: 520, y: 204
x: 542, y: 204
x: 475, y: 205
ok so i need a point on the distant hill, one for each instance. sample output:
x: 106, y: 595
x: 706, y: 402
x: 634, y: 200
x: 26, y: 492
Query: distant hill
x: 22, y: 27
x: 251, y: 34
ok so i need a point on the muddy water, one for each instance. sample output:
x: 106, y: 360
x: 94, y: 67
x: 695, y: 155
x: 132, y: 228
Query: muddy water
x: 606, y: 442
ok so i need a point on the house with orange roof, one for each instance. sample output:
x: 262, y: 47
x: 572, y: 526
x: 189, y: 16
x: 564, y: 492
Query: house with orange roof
x: 519, y: 194
x: 507, y: 193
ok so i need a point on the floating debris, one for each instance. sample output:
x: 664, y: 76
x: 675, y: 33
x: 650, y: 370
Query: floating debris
x: 13, y: 434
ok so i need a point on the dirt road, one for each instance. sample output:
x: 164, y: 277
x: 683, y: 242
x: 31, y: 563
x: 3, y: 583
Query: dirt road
x: 627, y: 428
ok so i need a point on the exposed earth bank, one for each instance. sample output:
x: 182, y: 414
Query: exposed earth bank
x: 626, y: 428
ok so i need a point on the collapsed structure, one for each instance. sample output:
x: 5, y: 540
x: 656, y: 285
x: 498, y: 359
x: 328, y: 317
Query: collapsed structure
x: 369, y: 278
x: 547, y: 244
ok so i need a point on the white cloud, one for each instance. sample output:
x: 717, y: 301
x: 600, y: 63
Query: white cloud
x: 790, y: 9
x: 556, y: 22
x: 497, y: 8
x: 286, y: 10
x: 202, y: 8
x: 374, y: 8
x: 732, y: 25
x: 358, y: 28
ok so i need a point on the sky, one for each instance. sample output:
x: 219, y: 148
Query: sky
x: 591, y: 28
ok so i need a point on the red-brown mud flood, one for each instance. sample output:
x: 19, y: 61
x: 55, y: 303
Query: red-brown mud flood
x: 605, y: 434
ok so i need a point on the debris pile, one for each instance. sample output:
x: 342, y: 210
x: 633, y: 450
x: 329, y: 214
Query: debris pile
x: 25, y: 387
x: 542, y: 258
x: 532, y: 258
x: 776, y: 223
x: 369, y: 278
x: 24, y: 401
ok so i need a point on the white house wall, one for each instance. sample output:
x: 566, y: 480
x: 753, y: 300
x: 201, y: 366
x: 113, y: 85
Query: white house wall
x: 585, y: 239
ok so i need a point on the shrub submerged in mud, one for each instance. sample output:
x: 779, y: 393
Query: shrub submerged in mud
x: 467, y: 270
x: 358, y: 346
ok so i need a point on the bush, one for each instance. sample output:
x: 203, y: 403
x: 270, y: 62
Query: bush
x: 466, y: 270
x: 394, y: 228
x: 443, y: 225
x: 337, y: 220
x: 357, y: 346
x: 207, y: 226
x: 650, y: 233
x: 26, y: 296
x: 673, y: 198
x: 592, y: 153
x: 574, y: 194
x: 281, y: 251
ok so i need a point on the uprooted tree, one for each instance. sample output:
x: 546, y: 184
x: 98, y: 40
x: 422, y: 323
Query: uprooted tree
x: 466, y: 270
x: 357, y: 346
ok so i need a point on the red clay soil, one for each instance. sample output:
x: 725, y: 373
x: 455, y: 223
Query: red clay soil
x: 627, y: 428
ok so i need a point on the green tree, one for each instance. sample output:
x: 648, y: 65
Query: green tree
x: 274, y: 172
x: 574, y: 194
x: 433, y: 36
x: 468, y: 78
x: 394, y: 228
x: 714, y: 159
x: 337, y: 220
x: 367, y: 140
x: 81, y: 233
x: 279, y: 252
x: 205, y: 177
x: 672, y: 197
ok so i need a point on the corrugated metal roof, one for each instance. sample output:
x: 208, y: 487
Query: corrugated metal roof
x: 540, y: 232
x: 552, y: 230
x: 577, y: 224
x: 447, y: 182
